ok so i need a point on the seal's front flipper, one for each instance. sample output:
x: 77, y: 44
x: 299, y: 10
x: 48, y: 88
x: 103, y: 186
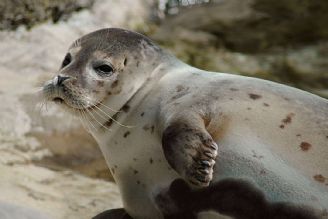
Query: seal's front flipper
x: 119, y: 213
x: 190, y: 149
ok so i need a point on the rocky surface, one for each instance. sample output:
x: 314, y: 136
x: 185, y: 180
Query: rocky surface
x: 280, y: 40
x: 14, y: 13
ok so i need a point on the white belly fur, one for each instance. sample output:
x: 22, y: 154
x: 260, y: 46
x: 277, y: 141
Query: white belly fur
x: 253, y: 146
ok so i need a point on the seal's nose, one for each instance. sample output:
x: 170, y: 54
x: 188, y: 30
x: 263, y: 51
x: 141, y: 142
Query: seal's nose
x: 58, y: 80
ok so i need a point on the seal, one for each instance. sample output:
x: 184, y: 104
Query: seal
x: 186, y: 143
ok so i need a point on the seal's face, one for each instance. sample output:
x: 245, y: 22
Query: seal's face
x: 95, y: 67
x: 85, y: 80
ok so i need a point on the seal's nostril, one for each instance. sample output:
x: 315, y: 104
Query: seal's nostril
x: 60, y: 79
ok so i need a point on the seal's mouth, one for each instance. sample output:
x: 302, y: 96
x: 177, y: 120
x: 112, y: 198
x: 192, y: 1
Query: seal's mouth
x: 58, y: 100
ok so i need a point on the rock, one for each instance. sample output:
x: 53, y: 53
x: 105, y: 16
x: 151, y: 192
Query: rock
x: 62, y: 194
x: 9, y: 211
x: 261, y: 38
x: 31, y: 12
x: 253, y: 25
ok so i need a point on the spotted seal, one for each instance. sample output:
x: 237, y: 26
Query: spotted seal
x: 186, y: 143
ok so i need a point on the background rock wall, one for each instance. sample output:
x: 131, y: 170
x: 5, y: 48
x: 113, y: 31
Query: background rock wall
x: 280, y: 40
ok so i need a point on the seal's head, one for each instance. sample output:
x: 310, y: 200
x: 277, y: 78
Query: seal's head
x: 108, y: 62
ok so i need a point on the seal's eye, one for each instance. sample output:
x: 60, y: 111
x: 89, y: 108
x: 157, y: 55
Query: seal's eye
x: 104, y: 69
x: 67, y: 60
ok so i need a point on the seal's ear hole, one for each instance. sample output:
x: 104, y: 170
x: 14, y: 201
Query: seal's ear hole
x: 125, y: 61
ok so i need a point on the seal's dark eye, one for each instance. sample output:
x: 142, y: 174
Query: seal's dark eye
x: 104, y: 69
x: 67, y: 60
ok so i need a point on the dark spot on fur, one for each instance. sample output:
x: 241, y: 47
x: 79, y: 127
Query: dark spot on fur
x: 108, y: 123
x: 152, y: 129
x: 109, y: 93
x: 248, y: 108
x: 234, y: 89
x: 298, y: 135
x: 142, y: 114
x: 265, y: 104
x: 100, y: 83
x: 305, y: 146
x: 138, y: 182
x: 135, y: 159
x: 115, y: 166
x: 230, y: 98
x: 288, y: 118
x: 282, y: 126
x: 126, y: 134
x: 135, y: 171
x: 125, y: 61
x: 181, y: 91
x: 151, y: 161
x: 254, y: 96
x: 126, y: 108
x: 319, y: 178
x: 114, y: 84
x: 235, y: 198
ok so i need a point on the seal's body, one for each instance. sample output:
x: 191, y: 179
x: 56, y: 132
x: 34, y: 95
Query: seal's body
x: 244, y: 147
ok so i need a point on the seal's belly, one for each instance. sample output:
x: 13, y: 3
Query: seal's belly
x: 275, y: 144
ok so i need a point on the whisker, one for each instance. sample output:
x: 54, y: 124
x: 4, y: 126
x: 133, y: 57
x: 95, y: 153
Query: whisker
x: 100, y: 103
x: 82, y: 119
x: 115, y: 111
x: 126, y: 126
x: 96, y: 103
x: 91, y: 114
x: 90, y: 130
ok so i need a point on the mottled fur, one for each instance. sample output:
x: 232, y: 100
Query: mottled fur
x: 191, y: 141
